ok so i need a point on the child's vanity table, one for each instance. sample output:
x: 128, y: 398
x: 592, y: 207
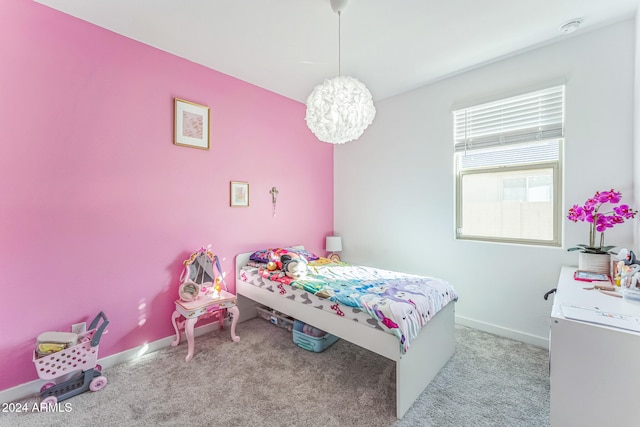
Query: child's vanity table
x: 203, y: 307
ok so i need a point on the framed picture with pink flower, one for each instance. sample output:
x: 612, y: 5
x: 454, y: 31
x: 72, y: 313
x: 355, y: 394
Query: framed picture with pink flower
x: 239, y: 194
x: 191, y: 124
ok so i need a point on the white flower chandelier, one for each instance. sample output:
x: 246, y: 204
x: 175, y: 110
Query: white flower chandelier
x: 341, y: 108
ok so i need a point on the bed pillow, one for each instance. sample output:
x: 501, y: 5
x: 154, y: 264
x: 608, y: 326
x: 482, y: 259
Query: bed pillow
x: 308, y: 255
x: 263, y: 255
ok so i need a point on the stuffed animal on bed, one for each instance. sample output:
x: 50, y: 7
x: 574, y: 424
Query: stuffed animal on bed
x: 294, y: 266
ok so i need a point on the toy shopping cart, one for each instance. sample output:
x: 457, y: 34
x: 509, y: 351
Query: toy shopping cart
x: 81, y: 357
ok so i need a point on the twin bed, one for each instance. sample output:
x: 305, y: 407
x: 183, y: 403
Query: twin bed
x: 353, y: 315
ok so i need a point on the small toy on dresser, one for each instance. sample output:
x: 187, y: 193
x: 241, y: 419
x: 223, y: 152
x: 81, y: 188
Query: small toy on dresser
x: 627, y: 271
x: 627, y: 274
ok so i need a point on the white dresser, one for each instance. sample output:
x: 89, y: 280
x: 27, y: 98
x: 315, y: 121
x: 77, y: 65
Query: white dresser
x: 595, y: 369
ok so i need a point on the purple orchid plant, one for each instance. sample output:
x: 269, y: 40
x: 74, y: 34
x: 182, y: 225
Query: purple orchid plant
x: 599, y: 222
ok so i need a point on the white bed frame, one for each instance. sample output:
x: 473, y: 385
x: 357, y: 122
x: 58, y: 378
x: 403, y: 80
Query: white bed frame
x: 415, y: 369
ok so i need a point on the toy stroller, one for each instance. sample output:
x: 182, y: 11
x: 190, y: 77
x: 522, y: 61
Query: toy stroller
x: 81, y: 356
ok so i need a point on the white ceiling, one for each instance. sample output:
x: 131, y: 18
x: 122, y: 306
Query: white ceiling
x: 289, y: 46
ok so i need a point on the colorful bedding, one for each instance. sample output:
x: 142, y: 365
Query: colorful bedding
x: 252, y: 276
x: 402, y: 302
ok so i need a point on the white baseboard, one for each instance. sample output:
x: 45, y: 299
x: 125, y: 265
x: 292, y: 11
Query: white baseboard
x: 542, y: 342
x: 33, y: 387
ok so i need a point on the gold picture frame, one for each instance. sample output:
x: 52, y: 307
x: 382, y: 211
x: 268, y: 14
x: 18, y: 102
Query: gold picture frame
x: 191, y: 124
x: 239, y: 194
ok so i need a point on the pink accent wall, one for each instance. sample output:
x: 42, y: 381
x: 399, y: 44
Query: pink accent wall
x: 98, y: 207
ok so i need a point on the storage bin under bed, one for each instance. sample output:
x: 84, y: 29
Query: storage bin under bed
x: 311, y: 343
x: 275, y: 317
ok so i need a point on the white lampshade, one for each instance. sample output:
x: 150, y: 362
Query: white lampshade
x: 334, y: 244
x: 339, y: 110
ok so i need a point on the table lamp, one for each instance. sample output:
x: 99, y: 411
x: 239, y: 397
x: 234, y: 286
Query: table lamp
x: 333, y: 245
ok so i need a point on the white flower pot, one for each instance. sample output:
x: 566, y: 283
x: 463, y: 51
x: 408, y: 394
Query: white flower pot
x: 597, y: 263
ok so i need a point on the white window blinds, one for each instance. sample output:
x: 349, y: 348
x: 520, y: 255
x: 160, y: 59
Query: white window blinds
x: 535, y: 116
x: 546, y: 151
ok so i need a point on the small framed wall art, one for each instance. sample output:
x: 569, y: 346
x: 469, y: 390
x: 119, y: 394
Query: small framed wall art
x: 191, y: 124
x: 239, y: 194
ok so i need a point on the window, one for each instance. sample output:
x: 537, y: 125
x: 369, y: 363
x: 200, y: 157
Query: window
x: 508, y: 155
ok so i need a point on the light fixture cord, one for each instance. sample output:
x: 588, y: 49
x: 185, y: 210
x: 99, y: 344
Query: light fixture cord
x: 339, y: 46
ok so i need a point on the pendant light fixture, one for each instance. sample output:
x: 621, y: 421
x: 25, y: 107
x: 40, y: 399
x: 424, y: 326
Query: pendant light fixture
x: 341, y: 108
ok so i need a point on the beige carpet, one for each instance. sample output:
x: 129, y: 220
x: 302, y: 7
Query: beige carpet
x: 265, y: 380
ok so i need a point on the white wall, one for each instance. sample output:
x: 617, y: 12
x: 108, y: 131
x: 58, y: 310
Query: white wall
x: 636, y: 133
x: 394, y: 187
